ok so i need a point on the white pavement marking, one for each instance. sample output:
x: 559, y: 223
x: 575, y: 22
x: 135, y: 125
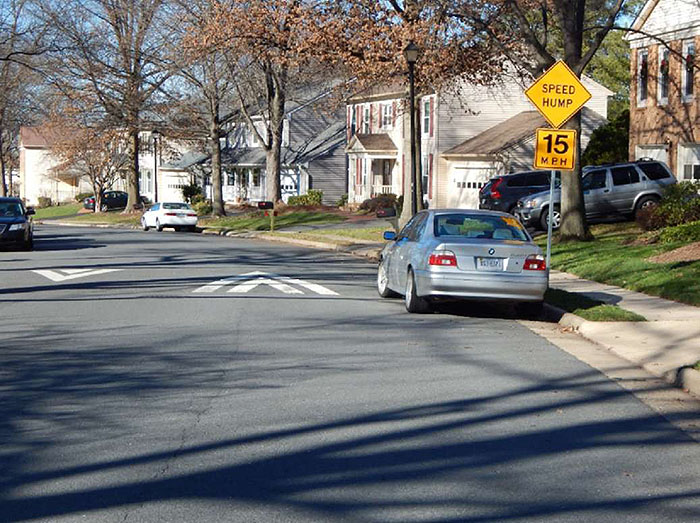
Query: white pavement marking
x: 315, y: 287
x: 251, y: 280
x: 251, y: 284
x: 71, y: 274
x: 216, y: 285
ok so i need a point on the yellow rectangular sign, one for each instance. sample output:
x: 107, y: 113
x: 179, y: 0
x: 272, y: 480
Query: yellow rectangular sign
x: 558, y: 94
x: 555, y: 149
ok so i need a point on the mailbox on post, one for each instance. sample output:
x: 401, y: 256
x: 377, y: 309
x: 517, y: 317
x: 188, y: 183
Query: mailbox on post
x: 267, y: 207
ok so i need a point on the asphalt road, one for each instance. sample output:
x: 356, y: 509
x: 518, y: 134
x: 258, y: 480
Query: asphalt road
x: 149, y: 393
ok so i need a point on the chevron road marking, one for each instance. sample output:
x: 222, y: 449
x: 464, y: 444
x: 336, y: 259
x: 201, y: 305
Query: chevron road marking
x: 60, y: 275
x: 244, y: 283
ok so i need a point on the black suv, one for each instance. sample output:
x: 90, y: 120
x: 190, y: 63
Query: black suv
x: 110, y: 200
x: 503, y: 192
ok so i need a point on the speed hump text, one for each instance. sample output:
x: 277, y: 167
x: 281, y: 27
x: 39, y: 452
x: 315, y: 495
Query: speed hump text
x: 555, y: 149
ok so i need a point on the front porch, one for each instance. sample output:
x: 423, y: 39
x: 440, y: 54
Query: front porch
x: 372, y: 167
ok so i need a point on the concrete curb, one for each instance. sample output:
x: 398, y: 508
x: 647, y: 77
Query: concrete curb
x: 93, y: 225
x: 685, y: 377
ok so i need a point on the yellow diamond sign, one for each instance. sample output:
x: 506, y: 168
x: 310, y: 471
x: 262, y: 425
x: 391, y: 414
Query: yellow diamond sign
x: 558, y: 94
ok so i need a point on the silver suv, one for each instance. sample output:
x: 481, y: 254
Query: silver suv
x: 608, y: 190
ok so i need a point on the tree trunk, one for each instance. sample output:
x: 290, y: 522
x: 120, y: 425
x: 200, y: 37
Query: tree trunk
x: 3, y: 182
x: 132, y: 180
x: 97, y: 191
x: 276, y: 104
x: 217, y: 197
x: 573, y: 213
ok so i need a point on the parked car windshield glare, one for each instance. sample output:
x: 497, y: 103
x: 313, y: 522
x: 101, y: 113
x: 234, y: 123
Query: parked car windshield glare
x: 479, y: 226
x: 173, y: 206
x: 11, y: 210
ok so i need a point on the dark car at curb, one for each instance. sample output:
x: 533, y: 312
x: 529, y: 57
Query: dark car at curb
x: 609, y: 191
x: 16, y: 226
x: 110, y: 200
x: 503, y: 192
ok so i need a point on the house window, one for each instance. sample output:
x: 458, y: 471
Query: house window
x: 426, y: 116
x: 688, y: 69
x: 366, y: 119
x: 387, y: 116
x: 353, y: 121
x: 664, y: 56
x: 230, y: 178
x: 146, y: 180
x: 425, y: 173
x: 689, y: 161
x: 642, y: 76
x: 256, y: 177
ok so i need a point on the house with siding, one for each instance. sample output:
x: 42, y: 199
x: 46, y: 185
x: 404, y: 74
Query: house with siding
x: 664, y: 98
x: 41, y: 176
x: 469, y: 133
x: 312, y: 155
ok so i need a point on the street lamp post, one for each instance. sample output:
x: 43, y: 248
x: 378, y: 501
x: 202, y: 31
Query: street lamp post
x: 156, y: 136
x: 410, y: 53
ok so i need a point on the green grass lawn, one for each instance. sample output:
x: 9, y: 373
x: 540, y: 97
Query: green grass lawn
x: 611, y: 259
x: 57, y: 211
x: 257, y: 222
x: 588, y: 309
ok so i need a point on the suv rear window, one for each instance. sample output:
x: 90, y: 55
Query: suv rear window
x: 537, y: 179
x: 594, y: 180
x: 624, y: 175
x: 654, y: 171
x: 516, y: 180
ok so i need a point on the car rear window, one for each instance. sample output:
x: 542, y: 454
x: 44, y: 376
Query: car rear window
x: 515, y: 180
x: 594, y: 180
x: 173, y: 206
x: 469, y: 225
x: 654, y: 171
x: 624, y: 175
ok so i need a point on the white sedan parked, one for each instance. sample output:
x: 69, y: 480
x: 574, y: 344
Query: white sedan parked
x: 169, y: 214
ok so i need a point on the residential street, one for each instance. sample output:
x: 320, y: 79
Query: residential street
x: 163, y: 377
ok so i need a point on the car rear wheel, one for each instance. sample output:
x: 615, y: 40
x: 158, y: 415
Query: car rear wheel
x: 143, y: 224
x: 104, y: 207
x: 646, y: 202
x: 159, y: 227
x: 414, y: 303
x: 556, y: 218
x: 383, y: 282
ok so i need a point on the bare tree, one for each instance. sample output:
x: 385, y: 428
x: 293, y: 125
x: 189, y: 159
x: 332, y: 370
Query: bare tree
x: 114, y: 50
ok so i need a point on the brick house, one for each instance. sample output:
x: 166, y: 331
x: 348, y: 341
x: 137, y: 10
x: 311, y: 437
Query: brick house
x: 468, y: 135
x: 664, y: 85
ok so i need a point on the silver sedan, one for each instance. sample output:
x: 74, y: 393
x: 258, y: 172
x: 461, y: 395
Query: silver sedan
x: 458, y: 253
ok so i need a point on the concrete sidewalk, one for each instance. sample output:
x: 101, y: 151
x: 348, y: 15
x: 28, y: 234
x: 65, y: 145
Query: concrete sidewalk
x: 666, y: 345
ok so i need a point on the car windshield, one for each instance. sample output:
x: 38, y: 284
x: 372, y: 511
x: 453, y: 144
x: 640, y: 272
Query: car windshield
x: 468, y: 225
x: 172, y: 206
x: 11, y: 209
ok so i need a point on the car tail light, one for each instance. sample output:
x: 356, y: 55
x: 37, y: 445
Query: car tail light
x: 495, y: 194
x: 170, y: 214
x: 535, y: 262
x: 192, y: 214
x: 443, y: 259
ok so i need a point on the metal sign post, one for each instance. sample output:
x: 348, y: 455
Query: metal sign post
x: 558, y: 94
x: 551, y: 216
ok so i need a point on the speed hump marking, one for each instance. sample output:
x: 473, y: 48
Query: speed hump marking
x: 558, y: 94
x: 555, y: 149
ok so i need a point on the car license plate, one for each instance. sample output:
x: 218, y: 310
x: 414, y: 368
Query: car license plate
x: 180, y: 215
x: 489, y: 264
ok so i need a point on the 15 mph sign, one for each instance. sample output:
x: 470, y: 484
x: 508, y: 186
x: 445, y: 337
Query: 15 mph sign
x: 558, y: 94
x: 555, y: 149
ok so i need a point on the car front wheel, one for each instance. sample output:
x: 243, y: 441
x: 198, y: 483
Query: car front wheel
x: 647, y: 202
x: 159, y: 227
x: 414, y: 303
x: 556, y: 218
x: 383, y: 282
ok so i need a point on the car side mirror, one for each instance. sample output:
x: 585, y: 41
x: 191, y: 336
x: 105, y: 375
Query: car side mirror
x: 389, y: 235
x: 30, y: 211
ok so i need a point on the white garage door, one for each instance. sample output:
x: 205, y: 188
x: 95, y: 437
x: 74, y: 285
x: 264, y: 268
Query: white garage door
x: 655, y: 152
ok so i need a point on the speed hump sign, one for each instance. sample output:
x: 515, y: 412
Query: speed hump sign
x: 555, y: 149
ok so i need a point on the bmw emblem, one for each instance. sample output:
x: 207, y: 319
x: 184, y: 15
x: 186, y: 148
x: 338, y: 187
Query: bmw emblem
x: 491, y: 251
